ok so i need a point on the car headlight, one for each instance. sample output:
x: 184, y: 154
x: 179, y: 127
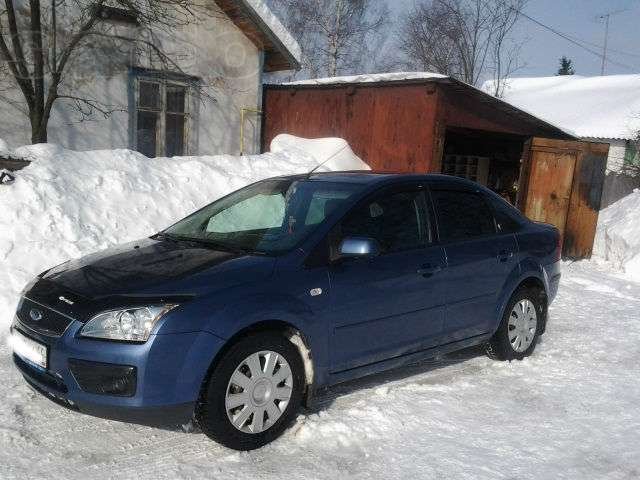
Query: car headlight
x: 129, y: 324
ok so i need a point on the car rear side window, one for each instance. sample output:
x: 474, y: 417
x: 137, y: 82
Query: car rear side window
x: 396, y: 221
x: 462, y: 215
x: 508, y: 219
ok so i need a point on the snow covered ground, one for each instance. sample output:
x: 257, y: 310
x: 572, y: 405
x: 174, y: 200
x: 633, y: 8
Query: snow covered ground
x: 568, y: 412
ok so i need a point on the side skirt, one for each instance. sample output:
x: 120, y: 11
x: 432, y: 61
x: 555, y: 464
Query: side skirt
x: 404, y: 360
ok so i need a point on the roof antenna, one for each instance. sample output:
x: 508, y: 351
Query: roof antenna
x: 315, y: 169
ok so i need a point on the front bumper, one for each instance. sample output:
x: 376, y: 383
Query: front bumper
x: 170, y: 370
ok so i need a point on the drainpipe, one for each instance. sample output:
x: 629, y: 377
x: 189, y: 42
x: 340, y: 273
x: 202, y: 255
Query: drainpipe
x: 257, y: 111
x: 243, y: 114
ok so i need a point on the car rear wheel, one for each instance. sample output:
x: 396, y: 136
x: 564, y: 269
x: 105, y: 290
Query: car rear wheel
x: 254, y: 392
x: 520, y: 328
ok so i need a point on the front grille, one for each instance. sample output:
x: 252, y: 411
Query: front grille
x: 41, y: 319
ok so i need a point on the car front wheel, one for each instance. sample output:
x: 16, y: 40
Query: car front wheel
x: 254, y: 392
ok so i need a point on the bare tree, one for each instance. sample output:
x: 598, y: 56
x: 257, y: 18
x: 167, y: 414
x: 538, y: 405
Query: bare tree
x: 44, y: 47
x: 336, y: 36
x: 466, y: 39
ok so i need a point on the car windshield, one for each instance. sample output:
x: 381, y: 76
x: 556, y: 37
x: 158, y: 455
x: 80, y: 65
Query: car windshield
x: 272, y: 216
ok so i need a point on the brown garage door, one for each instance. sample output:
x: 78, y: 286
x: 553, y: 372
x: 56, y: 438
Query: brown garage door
x: 562, y: 185
x: 552, y: 163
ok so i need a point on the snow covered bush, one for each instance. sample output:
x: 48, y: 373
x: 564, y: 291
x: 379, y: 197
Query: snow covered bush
x: 67, y: 204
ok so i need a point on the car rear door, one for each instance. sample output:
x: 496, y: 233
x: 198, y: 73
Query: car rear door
x: 391, y: 304
x: 479, y: 259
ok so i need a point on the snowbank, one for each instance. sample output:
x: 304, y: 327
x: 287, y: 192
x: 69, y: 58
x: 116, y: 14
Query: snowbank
x: 67, y: 204
x: 594, y: 107
x: 618, y: 234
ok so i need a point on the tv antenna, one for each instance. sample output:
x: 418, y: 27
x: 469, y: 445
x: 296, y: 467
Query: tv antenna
x: 607, y: 16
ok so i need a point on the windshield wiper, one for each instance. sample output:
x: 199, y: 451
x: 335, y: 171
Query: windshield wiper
x: 218, y: 245
x: 164, y: 236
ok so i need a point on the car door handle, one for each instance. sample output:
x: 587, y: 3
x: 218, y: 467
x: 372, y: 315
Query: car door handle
x: 504, y: 256
x: 428, y: 270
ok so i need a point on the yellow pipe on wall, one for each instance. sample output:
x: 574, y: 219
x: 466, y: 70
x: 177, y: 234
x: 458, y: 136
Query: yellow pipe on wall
x: 243, y: 112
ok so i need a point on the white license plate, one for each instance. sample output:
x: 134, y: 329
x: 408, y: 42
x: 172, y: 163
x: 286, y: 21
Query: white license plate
x: 28, y: 349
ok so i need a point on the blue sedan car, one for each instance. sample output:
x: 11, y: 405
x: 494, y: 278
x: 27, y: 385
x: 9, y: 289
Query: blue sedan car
x: 236, y: 315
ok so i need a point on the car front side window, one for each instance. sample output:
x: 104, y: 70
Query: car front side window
x: 396, y: 221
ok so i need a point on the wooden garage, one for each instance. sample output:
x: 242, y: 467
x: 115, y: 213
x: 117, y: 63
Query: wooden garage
x: 435, y: 124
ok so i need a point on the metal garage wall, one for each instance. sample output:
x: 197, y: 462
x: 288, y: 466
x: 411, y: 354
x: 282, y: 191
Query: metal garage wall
x: 391, y: 127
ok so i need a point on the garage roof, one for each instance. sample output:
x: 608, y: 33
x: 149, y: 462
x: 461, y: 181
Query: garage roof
x: 605, y: 107
x: 541, y: 126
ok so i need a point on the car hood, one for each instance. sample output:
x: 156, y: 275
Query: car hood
x: 160, y: 269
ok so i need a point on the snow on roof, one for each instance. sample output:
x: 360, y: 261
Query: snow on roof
x: 370, y: 78
x: 274, y: 24
x: 591, y: 107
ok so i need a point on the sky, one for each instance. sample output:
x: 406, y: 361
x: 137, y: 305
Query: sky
x: 579, y: 19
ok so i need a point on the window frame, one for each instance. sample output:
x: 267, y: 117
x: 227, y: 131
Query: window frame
x: 162, y: 111
x: 461, y: 188
x: 331, y: 240
x: 518, y: 218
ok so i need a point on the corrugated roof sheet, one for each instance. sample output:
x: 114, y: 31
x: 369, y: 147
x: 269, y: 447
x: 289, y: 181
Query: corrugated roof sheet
x: 591, y: 107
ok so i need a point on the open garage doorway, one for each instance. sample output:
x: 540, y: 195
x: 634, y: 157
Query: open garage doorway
x: 491, y: 159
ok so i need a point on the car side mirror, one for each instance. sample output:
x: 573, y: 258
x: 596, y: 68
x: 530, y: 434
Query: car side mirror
x: 359, y: 247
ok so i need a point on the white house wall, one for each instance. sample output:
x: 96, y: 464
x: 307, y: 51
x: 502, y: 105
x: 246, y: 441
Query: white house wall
x: 214, y: 50
x: 617, y: 151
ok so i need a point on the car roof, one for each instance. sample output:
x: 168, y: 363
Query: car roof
x: 367, y: 177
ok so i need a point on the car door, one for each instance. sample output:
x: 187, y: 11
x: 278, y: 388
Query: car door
x: 393, y: 303
x: 479, y: 259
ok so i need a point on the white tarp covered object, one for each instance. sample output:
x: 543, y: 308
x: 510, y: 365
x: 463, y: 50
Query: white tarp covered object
x: 331, y: 154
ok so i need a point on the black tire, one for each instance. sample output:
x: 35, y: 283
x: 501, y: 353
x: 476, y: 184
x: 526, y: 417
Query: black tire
x: 499, y: 347
x: 211, y: 414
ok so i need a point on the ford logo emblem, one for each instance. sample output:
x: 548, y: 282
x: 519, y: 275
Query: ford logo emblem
x: 35, y: 314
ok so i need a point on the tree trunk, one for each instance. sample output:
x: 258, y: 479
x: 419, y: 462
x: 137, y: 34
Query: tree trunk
x: 37, y: 117
x: 38, y: 128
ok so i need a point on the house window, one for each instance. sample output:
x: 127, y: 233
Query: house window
x: 162, y: 117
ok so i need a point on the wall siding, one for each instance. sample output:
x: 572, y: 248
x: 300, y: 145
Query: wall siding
x: 214, y: 50
x: 391, y: 128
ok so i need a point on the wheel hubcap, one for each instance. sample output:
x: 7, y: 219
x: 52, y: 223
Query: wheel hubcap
x: 523, y: 322
x: 259, y: 391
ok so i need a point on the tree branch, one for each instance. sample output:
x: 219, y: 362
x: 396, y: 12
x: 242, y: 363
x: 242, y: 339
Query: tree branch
x: 86, y: 106
x: 56, y: 74
x: 15, y: 40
